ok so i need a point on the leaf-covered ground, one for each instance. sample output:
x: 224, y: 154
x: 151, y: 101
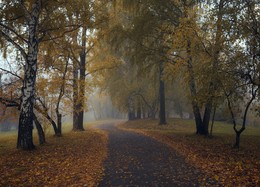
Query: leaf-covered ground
x: 214, y: 156
x: 74, y: 159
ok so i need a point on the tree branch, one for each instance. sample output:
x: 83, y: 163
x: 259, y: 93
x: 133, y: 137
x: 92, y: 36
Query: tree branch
x: 11, y: 73
x: 9, y: 103
x: 13, y: 31
x: 16, y: 45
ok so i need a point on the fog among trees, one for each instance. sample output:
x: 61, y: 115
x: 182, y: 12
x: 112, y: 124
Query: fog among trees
x: 129, y: 59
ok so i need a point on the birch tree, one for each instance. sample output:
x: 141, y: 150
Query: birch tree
x: 25, y: 25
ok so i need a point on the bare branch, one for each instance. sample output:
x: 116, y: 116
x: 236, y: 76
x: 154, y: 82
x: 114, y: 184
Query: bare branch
x: 57, y: 37
x: 16, y: 45
x: 9, y: 103
x: 100, y: 69
x: 11, y: 73
x: 14, y: 32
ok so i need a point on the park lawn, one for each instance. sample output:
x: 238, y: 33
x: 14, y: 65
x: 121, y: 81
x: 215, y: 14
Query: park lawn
x: 215, y: 156
x: 75, y: 159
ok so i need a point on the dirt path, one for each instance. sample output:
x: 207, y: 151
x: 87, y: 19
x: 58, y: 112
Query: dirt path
x: 137, y: 160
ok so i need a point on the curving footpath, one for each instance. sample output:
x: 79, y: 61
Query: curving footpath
x: 137, y: 160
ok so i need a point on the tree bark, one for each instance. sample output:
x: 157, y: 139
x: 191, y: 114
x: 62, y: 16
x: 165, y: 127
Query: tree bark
x: 254, y: 91
x: 25, y: 137
x: 215, y: 67
x: 40, y: 131
x: 59, y: 124
x: 75, y: 96
x: 212, y: 121
x: 54, y: 125
x: 131, y: 111
x: 162, y: 97
x: 206, y: 117
x: 139, y: 110
x: 82, y: 77
x: 193, y: 91
x: 237, y: 142
x: 61, y: 93
x: 143, y: 111
x: 47, y: 116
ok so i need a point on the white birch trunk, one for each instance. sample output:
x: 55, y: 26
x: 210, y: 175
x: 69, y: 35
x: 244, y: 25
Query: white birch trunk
x: 25, y: 138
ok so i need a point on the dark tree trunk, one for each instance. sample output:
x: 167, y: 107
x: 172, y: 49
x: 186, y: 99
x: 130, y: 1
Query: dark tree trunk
x: 25, y: 137
x: 54, y: 125
x: 62, y: 88
x: 153, y: 115
x: 40, y: 131
x: 131, y: 115
x: 82, y: 76
x: 162, y: 115
x: 143, y: 112
x: 254, y: 91
x: 206, y: 118
x: 193, y: 91
x: 59, y: 124
x: 215, y: 67
x: 197, y: 116
x: 80, y: 126
x: 134, y: 112
x: 202, y: 125
x: 46, y: 115
x: 151, y: 111
x: 212, y: 121
x: 178, y: 109
x: 139, y: 110
x: 237, y: 142
x: 131, y: 111
x: 75, y: 96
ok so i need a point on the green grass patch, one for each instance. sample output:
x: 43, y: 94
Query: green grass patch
x: 187, y: 126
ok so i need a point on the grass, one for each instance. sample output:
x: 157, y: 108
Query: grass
x: 214, y: 156
x: 188, y: 127
x: 75, y: 159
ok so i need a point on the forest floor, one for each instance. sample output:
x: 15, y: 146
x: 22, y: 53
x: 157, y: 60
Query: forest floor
x: 75, y: 159
x: 139, y: 152
x: 214, y: 156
